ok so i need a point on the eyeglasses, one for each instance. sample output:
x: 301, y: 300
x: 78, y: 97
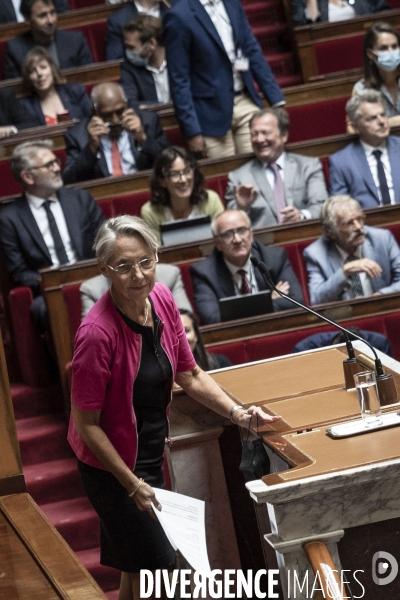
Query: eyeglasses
x: 144, y: 265
x: 52, y: 164
x: 228, y: 236
x: 175, y: 176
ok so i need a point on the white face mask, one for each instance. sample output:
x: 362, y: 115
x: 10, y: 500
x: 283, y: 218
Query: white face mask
x: 135, y: 57
x: 388, y: 60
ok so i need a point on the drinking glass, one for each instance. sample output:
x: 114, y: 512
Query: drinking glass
x: 368, y: 397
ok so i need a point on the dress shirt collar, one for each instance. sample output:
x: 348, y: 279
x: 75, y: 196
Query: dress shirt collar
x: 234, y: 269
x: 37, y: 202
x: 280, y: 162
x: 370, y: 149
x: 344, y: 255
x: 161, y: 69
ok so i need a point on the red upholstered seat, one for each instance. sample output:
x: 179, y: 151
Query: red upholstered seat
x: 395, y: 229
x: 72, y: 301
x: 187, y: 282
x: 235, y: 351
x: 95, y: 34
x: 107, y: 207
x: 174, y: 137
x: 29, y: 345
x: 317, y: 120
x: 325, y: 167
x: 218, y: 184
x: 130, y: 204
x: 339, y: 54
x: 2, y: 53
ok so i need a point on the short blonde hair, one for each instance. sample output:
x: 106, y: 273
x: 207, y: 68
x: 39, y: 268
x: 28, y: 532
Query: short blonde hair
x: 122, y: 226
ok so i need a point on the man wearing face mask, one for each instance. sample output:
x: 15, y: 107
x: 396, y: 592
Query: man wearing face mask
x: 350, y: 259
x: 368, y: 169
x: 117, y: 140
x: 144, y: 74
x: 381, y: 54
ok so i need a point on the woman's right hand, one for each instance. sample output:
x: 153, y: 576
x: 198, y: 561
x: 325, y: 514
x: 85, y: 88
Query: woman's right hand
x: 145, y: 497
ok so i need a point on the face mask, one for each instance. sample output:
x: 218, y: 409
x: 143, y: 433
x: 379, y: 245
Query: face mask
x: 388, y: 60
x: 136, y: 59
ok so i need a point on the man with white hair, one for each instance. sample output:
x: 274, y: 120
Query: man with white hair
x: 229, y: 272
x: 48, y: 225
x: 117, y: 140
x: 350, y: 259
x: 368, y: 168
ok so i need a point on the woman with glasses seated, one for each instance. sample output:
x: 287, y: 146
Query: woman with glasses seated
x: 129, y: 350
x: 48, y: 99
x: 177, y: 191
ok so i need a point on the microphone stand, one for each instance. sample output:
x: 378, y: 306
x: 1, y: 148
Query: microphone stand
x: 386, y: 387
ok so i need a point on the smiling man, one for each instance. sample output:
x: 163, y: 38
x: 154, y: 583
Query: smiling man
x: 48, y: 225
x: 350, y: 259
x: 229, y: 272
x: 277, y: 186
x: 67, y: 48
x: 368, y: 169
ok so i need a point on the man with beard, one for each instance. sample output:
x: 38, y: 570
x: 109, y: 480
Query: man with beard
x: 48, y: 225
x: 67, y: 48
x: 350, y: 259
x: 117, y: 140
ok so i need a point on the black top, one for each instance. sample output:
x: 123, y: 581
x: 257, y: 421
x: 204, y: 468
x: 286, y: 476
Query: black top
x: 151, y: 392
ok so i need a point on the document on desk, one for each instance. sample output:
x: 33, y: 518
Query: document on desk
x: 182, y: 519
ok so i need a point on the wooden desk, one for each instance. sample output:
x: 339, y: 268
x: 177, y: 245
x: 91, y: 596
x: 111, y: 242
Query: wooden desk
x: 319, y: 487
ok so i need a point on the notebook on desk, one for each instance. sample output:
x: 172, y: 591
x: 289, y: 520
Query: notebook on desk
x: 248, y: 305
x: 183, y: 231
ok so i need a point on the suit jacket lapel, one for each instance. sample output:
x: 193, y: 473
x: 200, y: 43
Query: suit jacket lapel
x: 69, y: 210
x: 224, y: 277
x: 29, y: 222
x: 363, y: 168
x: 333, y: 255
x: 394, y: 159
x: 265, y: 190
x: 102, y: 163
x: 259, y: 278
x: 368, y: 252
x: 9, y: 9
x: 202, y: 16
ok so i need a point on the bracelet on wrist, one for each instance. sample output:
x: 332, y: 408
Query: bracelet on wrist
x: 233, y: 410
x: 136, y: 488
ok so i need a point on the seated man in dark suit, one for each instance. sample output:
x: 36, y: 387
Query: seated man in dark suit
x: 13, y: 115
x: 368, y: 168
x: 116, y: 22
x: 48, y: 225
x: 229, y: 272
x: 67, y: 48
x: 350, y: 259
x: 10, y: 10
x: 144, y: 74
x: 117, y: 140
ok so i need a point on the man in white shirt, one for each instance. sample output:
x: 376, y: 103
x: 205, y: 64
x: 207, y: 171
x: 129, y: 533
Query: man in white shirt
x: 48, y: 225
x: 276, y: 186
x: 350, y: 259
x: 368, y: 169
x: 117, y: 140
x: 144, y: 73
x: 213, y: 61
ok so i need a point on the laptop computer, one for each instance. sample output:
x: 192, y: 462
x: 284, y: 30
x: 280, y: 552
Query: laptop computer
x: 183, y: 231
x: 248, y: 305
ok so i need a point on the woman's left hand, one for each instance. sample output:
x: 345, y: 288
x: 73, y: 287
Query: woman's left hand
x: 253, y: 415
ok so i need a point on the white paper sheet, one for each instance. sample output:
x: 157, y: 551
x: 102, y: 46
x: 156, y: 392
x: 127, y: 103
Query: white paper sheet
x: 182, y: 519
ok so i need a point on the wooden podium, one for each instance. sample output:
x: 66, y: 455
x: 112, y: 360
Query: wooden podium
x: 344, y: 492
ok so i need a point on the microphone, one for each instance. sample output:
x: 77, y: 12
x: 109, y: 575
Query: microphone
x: 384, y: 380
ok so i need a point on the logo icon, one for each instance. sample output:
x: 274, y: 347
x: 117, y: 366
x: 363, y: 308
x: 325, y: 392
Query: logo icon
x: 384, y: 568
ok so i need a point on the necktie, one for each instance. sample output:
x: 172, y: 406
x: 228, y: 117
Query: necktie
x: 116, y: 159
x: 279, y: 191
x: 245, y: 288
x: 383, y: 186
x: 55, y: 234
x: 355, y: 279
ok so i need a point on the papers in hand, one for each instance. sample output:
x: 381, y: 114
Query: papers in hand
x: 182, y: 519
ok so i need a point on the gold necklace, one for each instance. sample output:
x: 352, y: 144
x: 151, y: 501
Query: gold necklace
x: 146, y: 309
